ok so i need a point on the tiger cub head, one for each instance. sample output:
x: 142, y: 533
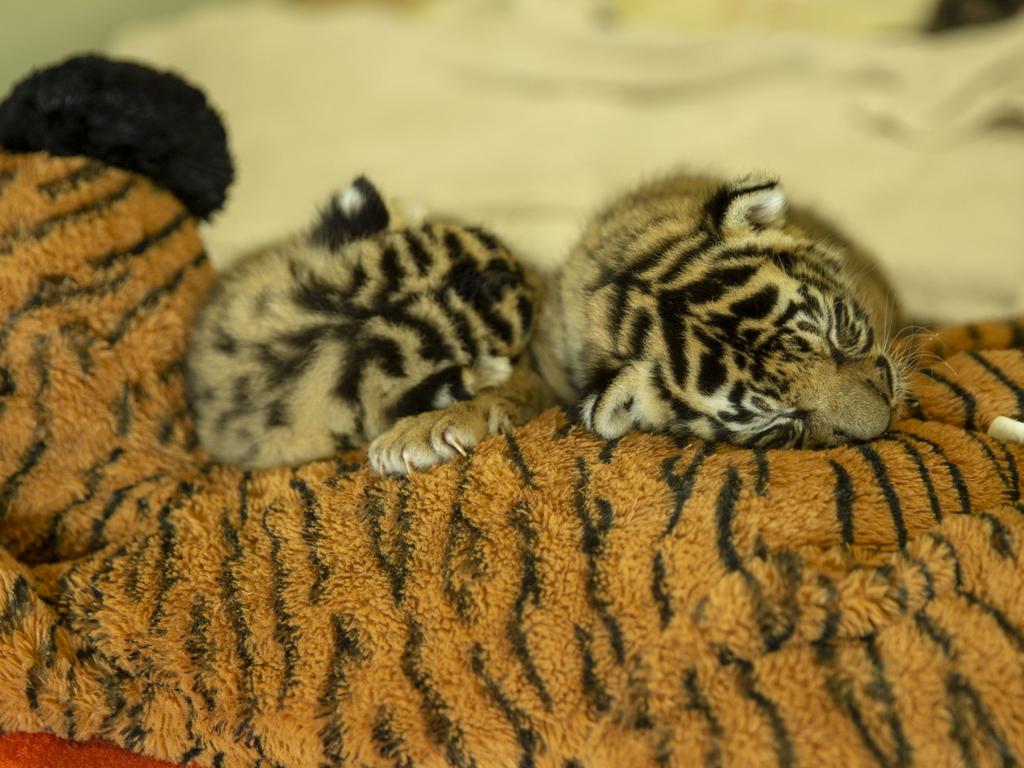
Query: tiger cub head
x: 735, y: 325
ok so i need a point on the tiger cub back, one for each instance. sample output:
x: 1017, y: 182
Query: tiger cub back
x: 321, y: 342
x: 705, y: 308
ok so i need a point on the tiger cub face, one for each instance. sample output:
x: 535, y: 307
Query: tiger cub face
x: 702, y: 312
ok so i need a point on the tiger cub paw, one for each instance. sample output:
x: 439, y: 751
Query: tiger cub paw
x: 619, y: 402
x: 420, y: 441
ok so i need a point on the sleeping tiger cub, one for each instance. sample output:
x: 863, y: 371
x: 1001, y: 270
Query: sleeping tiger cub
x: 330, y: 338
x: 691, y: 305
x: 702, y: 307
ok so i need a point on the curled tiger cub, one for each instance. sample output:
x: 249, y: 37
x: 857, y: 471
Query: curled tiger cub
x: 711, y: 308
x: 691, y: 305
x: 344, y: 333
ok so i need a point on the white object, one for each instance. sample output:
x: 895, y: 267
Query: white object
x: 1006, y: 429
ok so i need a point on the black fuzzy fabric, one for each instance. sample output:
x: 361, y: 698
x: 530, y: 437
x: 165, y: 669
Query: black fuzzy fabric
x: 126, y: 115
x: 954, y: 14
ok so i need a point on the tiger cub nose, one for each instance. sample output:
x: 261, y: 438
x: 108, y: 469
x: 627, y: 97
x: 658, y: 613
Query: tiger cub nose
x: 861, y: 413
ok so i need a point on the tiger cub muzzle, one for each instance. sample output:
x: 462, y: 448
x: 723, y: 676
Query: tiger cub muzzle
x: 852, y: 402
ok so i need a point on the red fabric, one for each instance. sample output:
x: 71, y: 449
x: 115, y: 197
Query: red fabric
x: 41, y: 750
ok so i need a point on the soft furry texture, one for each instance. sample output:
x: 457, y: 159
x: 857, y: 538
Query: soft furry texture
x: 302, y: 350
x: 126, y: 115
x: 552, y: 600
x: 699, y: 307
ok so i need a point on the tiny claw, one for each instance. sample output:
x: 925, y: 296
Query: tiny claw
x: 454, y: 443
x: 409, y: 466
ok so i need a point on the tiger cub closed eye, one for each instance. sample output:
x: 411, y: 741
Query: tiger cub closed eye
x: 345, y: 333
x: 704, y: 308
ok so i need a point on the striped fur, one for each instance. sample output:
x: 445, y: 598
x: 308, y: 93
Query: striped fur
x: 555, y: 599
x: 697, y: 306
x: 324, y: 341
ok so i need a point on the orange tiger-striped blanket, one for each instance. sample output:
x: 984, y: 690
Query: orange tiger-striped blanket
x: 553, y: 600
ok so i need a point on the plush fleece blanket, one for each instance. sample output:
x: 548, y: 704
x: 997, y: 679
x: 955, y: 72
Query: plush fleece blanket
x: 552, y: 600
x: 529, y: 115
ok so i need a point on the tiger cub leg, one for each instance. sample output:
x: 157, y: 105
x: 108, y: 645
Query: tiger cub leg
x: 422, y: 440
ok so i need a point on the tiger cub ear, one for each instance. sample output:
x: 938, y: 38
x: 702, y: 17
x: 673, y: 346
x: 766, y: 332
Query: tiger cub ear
x: 356, y: 212
x: 751, y: 203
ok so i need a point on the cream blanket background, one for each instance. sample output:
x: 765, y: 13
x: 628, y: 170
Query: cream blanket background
x: 526, y: 114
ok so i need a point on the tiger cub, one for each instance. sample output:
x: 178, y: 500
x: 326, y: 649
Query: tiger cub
x: 704, y: 308
x: 343, y: 333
